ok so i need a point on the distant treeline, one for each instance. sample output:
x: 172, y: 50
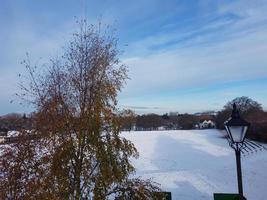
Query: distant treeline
x: 249, y: 110
x: 15, y: 121
x: 166, y: 121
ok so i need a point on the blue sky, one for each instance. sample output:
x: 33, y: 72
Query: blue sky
x: 185, y: 56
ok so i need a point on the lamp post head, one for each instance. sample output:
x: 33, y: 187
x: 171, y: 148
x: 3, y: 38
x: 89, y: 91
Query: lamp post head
x: 236, y: 127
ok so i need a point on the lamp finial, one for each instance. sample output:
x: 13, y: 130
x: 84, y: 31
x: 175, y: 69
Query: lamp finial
x: 235, y: 113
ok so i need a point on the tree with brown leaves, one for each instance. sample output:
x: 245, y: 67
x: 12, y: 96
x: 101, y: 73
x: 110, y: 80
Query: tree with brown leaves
x: 74, y: 150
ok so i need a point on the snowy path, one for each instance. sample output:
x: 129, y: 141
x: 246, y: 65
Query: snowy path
x: 195, y: 164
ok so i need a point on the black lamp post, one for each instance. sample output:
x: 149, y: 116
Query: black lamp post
x: 236, y: 128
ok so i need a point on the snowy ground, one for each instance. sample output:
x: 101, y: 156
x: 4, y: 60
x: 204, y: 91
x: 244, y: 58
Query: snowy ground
x: 195, y: 164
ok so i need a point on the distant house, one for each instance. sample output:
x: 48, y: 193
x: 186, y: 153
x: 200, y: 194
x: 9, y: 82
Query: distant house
x: 13, y: 134
x: 205, y: 124
x: 197, y: 126
x: 161, y: 128
x: 133, y: 128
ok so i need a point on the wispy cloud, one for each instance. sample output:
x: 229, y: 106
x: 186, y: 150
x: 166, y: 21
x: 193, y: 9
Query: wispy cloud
x: 234, y: 60
x: 142, y: 107
x: 228, y: 48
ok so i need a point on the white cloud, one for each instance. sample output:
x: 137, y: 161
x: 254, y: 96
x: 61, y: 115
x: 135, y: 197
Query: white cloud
x: 225, y: 50
x: 234, y: 60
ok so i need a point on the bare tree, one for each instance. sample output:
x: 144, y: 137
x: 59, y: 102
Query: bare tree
x: 76, y: 151
x: 244, y: 104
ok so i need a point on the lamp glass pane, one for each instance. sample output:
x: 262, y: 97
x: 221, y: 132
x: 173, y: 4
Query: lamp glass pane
x: 245, y: 128
x: 228, y: 132
x: 238, y: 133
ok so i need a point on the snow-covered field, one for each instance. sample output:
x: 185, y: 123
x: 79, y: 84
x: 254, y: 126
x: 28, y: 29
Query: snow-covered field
x: 195, y: 164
